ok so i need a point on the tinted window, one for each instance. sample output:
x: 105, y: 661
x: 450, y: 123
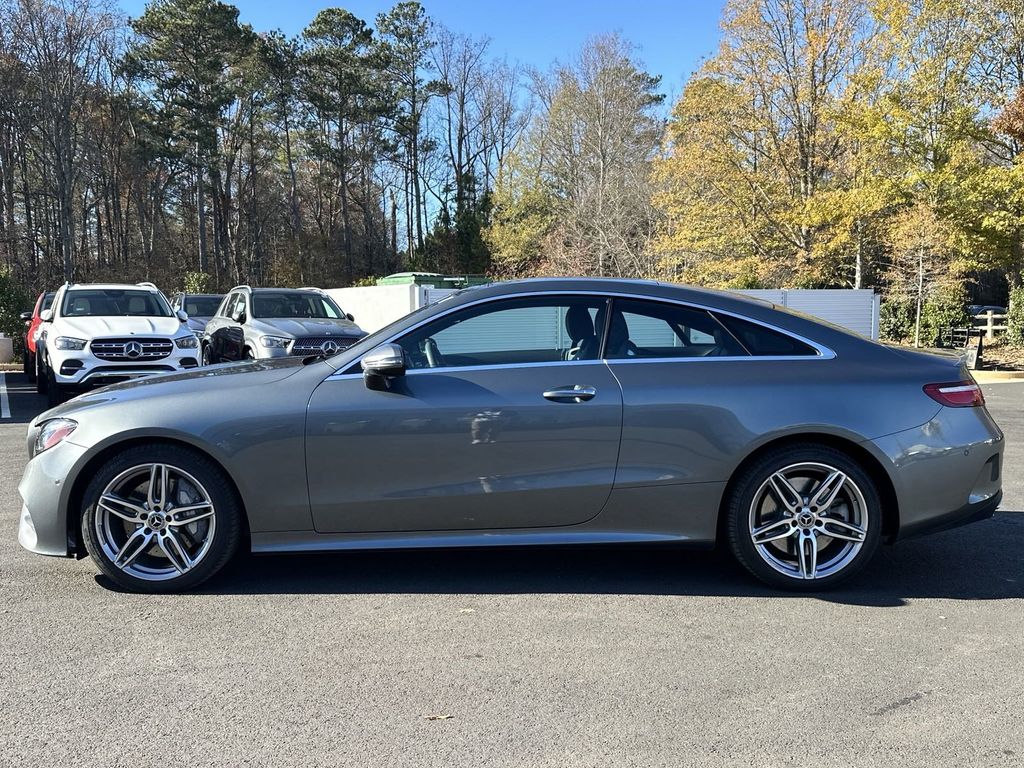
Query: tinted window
x: 109, y: 302
x: 201, y: 306
x: 765, y: 341
x: 47, y: 301
x: 293, y: 304
x: 531, y: 330
x: 648, y: 329
x: 229, y: 304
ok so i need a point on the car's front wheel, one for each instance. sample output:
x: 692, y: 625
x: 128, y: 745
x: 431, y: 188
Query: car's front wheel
x: 41, y: 380
x: 804, y: 517
x: 160, y: 518
x: 207, y: 355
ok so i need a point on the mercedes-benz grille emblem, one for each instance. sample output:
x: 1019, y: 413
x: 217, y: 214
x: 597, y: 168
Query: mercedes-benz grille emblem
x: 329, y: 347
x: 133, y: 349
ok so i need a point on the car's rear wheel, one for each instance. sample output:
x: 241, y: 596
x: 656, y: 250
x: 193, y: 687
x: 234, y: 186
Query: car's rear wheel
x: 804, y: 517
x: 28, y: 365
x: 160, y: 518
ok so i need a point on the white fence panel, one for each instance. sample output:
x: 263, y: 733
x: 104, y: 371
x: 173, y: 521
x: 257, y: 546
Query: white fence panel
x: 854, y: 309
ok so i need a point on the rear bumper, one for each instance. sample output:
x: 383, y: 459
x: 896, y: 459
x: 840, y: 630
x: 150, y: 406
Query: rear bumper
x: 969, y: 513
x: 946, y: 472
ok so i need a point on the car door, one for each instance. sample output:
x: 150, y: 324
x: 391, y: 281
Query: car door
x: 491, y: 427
x: 227, y: 335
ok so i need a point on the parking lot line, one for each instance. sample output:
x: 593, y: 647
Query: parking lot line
x: 5, y: 405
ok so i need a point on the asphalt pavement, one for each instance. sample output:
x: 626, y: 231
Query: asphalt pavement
x: 594, y: 657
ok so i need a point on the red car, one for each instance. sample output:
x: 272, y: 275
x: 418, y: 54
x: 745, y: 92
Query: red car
x: 32, y: 323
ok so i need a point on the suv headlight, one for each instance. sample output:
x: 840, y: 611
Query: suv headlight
x: 275, y: 342
x: 187, y: 342
x: 53, y: 432
x: 69, y: 343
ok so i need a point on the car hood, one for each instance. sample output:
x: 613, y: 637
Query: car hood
x: 198, y: 388
x: 306, y: 326
x: 92, y: 327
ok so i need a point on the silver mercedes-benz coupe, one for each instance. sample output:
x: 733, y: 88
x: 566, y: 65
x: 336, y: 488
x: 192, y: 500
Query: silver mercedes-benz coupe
x: 571, y: 411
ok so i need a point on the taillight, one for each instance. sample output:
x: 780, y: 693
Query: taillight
x: 956, y: 394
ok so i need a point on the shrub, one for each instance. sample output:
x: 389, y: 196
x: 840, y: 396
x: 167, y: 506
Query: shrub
x: 1015, y: 318
x: 945, y: 307
x: 896, y: 318
x: 14, y: 300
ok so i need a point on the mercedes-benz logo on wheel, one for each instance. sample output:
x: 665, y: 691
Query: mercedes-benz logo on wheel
x: 329, y: 347
x: 133, y: 349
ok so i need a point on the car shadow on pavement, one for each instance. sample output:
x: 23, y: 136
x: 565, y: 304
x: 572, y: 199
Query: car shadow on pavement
x: 977, y: 562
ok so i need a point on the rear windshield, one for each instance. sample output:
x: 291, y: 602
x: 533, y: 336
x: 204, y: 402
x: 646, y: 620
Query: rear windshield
x: 201, y: 306
x: 108, y: 302
x: 294, y: 304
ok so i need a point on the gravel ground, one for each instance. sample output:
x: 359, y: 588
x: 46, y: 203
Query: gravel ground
x: 526, y: 658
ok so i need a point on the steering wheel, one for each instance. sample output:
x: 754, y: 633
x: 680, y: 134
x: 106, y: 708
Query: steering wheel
x: 434, y: 357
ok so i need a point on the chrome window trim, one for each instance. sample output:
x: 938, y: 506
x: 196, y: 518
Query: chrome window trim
x: 823, y: 352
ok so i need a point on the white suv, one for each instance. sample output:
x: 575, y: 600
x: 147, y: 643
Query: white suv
x: 100, y: 334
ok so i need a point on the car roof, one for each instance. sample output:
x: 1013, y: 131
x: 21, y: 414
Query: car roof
x: 112, y: 287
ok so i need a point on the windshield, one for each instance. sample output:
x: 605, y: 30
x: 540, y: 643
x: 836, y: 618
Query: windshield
x: 294, y: 304
x: 107, y: 302
x: 201, y: 306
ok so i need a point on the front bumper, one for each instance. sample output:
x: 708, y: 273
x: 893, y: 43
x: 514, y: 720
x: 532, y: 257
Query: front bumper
x: 85, y: 370
x: 45, y: 493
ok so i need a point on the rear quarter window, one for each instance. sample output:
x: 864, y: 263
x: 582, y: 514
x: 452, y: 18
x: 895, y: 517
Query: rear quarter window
x: 762, y: 341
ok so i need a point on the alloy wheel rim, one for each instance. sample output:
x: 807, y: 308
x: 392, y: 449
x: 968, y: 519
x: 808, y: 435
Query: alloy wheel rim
x: 155, y: 522
x: 808, y: 520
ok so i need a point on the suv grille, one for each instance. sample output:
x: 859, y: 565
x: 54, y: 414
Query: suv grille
x: 131, y: 350
x: 315, y: 345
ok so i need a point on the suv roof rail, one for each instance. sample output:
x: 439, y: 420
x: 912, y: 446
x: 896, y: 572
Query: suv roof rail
x: 311, y: 288
x: 147, y: 284
x: 241, y: 288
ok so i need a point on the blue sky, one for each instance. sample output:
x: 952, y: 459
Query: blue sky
x: 672, y: 37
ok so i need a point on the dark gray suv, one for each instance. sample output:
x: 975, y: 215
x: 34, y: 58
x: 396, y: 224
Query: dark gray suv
x: 260, y: 323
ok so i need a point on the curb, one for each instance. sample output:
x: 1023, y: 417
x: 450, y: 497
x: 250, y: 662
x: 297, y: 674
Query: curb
x: 987, y: 377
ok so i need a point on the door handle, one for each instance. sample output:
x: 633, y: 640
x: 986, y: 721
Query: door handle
x: 576, y: 394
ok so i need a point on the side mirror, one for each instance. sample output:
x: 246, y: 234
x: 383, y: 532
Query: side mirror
x: 182, y: 315
x: 26, y: 317
x: 382, y: 363
x: 46, y: 315
x: 350, y: 316
x: 238, y: 315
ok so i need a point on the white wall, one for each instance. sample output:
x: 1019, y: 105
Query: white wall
x: 856, y: 309
x: 374, y: 306
x: 377, y: 305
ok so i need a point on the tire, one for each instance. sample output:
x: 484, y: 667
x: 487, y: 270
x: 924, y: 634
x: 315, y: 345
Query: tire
x: 804, y: 546
x: 41, y: 379
x: 55, y: 393
x: 247, y: 354
x: 206, y: 356
x: 180, y: 554
x: 28, y: 365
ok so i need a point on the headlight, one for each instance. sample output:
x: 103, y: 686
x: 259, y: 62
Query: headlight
x: 275, y: 342
x: 187, y: 342
x: 69, y: 342
x: 53, y: 432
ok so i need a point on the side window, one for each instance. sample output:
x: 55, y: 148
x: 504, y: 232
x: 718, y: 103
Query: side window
x: 508, y: 332
x: 229, y: 304
x: 650, y: 329
x: 762, y: 341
